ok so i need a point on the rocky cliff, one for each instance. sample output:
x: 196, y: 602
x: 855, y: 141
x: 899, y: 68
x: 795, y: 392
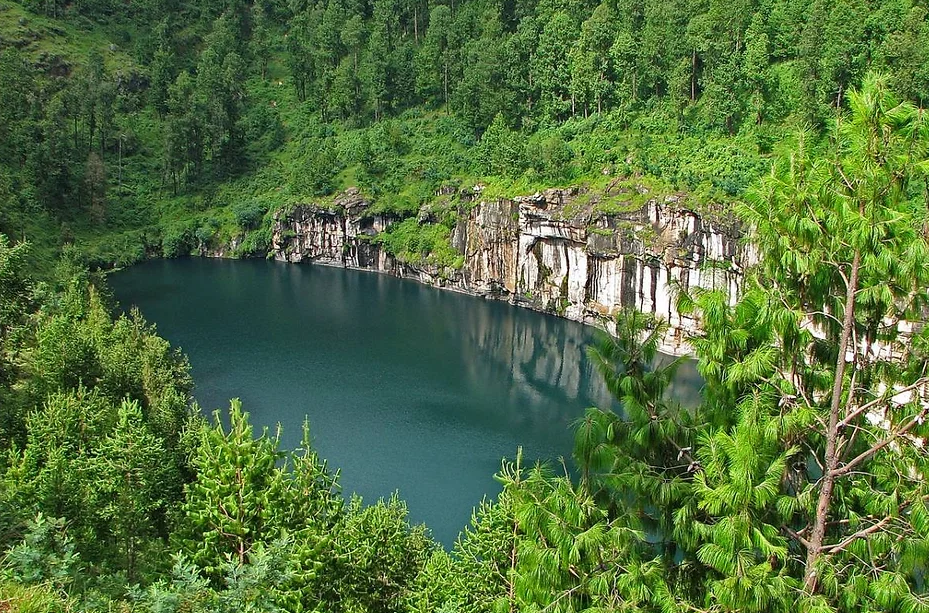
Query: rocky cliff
x: 577, y: 254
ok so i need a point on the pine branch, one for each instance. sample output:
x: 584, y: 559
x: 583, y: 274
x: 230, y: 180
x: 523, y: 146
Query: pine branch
x: 511, y: 578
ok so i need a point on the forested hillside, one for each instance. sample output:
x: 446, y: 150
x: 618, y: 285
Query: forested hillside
x: 157, y: 128
x: 149, y: 129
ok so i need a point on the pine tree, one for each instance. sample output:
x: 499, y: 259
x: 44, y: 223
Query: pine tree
x: 591, y: 69
x: 825, y: 377
x: 230, y: 506
x: 134, y: 481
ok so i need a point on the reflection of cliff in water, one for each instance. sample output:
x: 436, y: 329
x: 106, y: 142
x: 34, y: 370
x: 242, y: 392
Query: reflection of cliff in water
x: 553, y: 381
x: 687, y: 383
x: 461, y: 345
x: 546, y: 358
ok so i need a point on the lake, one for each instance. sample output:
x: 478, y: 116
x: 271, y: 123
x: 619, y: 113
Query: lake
x: 406, y: 387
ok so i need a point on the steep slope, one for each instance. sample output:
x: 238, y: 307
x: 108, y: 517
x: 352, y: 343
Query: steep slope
x: 556, y: 251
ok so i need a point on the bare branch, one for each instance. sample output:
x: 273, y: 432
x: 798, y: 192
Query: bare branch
x: 848, y: 443
x: 824, y: 314
x: 860, y: 534
x: 887, y: 396
x: 796, y: 535
x: 814, y: 456
x: 864, y: 455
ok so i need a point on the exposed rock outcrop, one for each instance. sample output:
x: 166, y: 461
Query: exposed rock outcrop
x: 557, y: 251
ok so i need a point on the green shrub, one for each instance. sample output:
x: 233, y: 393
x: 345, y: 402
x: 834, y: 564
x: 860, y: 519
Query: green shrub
x: 501, y: 151
x: 413, y: 242
x: 206, y: 231
x: 248, y: 214
x: 176, y: 239
x: 255, y: 243
x: 46, y: 554
x: 314, y: 173
x: 551, y: 156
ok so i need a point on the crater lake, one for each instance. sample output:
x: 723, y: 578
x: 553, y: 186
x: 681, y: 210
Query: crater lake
x: 406, y: 387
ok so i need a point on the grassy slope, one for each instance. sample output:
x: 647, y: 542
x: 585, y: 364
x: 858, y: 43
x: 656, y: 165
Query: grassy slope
x: 52, y: 42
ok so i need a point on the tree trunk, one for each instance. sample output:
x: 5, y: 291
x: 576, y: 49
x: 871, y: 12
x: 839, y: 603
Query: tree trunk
x: 511, y: 583
x: 818, y: 534
x: 529, y: 101
x: 693, y: 76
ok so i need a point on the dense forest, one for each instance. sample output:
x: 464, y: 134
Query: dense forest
x: 160, y: 128
x: 801, y: 481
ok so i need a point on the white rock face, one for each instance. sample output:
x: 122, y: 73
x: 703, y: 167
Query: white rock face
x: 552, y: 252
x: 336, y: 236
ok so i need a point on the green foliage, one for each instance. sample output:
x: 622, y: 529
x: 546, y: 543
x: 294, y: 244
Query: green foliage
x: 552, y: 157
x: 230, y: 506
x: 97, y: 408
x: 45, y: 556
x: 100, y: 467
x: 805, y: 468
x: 177, y: 240
x: 315, y: 174
x: 793, y: 486
x: 33, y: 599
x: 573, y: 555
x: 415, y: 242
x: 379, y: 554
x: 15, y: 286
x: 253, y: 515
x: 78, y: 343
x: 248, y: 215
x: 641, y: 451
x: 254, y: 586
x: 16, y: 303
x: 246, y: 498
x: 501, y: 151
x: 136, y: 483
x: 477, y: 574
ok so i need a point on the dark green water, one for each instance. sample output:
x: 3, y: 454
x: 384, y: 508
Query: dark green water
x: 406, y: 387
